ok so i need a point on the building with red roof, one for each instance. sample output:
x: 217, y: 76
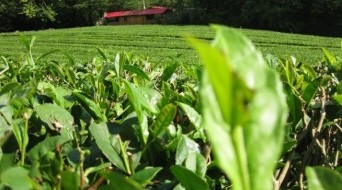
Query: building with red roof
x: 147, y: 16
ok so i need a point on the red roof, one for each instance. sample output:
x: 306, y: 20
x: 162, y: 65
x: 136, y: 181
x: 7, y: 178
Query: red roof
x: 150, y: 11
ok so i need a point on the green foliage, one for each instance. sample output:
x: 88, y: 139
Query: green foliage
x: 320, y: 178
x: 242, y: 103
x: 121, y: 121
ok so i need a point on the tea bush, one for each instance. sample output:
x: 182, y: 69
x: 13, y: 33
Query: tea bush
x: 122, y: 122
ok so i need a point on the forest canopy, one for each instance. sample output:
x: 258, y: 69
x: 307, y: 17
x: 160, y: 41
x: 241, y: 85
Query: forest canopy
x: 300, y: 16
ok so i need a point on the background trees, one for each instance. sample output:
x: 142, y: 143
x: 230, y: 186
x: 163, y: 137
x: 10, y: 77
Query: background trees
x: 304, y: 16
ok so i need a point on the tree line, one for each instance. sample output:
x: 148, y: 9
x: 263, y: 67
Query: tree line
x: 303, y: 16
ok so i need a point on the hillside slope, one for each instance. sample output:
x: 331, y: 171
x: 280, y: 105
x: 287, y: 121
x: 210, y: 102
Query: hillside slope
x: 160, y: 43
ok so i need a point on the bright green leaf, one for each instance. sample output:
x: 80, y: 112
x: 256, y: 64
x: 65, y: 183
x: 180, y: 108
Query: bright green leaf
x: 243, y: 103
x: 185, y: 147
x: 320, y: 178
x: 145, y: 175
x: 194, y: 117
x: 338, y: 98
x: 196, y: 163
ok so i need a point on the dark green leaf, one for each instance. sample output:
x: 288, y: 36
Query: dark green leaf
x: 70, y: 180
x: 8, y: 87
x: 18, y: 178
x: 137, y: 71
x: 164, y: 119
x: 168, y: 72
x: 119, y: 182
x: 93, y: 109
x: 310, y: 89
x: 45, y: 146
x: 103, y: 137
x: 189, y: 179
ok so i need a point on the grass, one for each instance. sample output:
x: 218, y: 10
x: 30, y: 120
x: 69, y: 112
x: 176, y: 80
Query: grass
x: 160, y: 43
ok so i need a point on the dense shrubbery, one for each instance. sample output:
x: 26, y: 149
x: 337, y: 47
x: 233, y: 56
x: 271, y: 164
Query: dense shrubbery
x: 303, y: 16
x: 120, y: 122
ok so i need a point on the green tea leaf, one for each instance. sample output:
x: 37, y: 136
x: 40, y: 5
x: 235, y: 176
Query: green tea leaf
x: 97, y: 168
x: 137, y: 71
x: 329, y: 57
x: 119, y: 182
x: 45, y: 146
x: 338, y: 98
x: 164, y: 119
x: 320, y: 178
x: 102, y: 53
x: 47, y: 54
x: 93, y: 109
x: 168, y: 72
x: 188, y: 179
x: 243, y: 103
x: 185, y: 147
x: 194, y: 117
x: 70, y: 180
x: 145, y: 175
x: 137, y: 100
x: 8, y: 87
x: 6, y: 112
x: 310, y: 89
x: 196, y: 163
x: 18, y: 178
x: 54, y: 116
x: 7, y: 161
x: 54, y: 66
x: 103, y: 137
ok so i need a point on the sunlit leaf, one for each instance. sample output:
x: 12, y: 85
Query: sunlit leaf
x: 243, y: 103
x: 145, y: 175
x: 185, y: 147
x: 196, y: 163
x: 320, y: 178
x: 54, y: 116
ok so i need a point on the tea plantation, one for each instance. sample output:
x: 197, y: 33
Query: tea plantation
x: 160, y: 43
x: 170, y: 108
